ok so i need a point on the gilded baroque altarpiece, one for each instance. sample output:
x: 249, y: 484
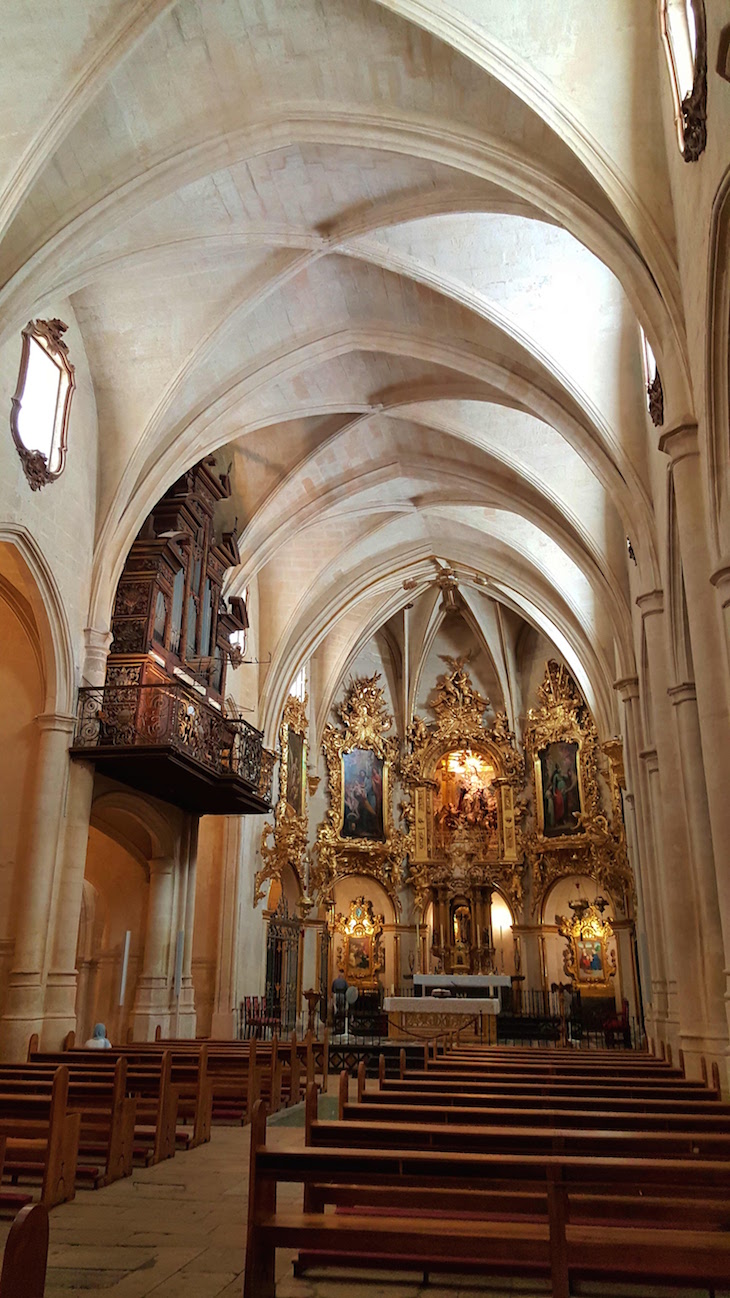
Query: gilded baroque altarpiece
x: 573, y: 834
x: 285, y: 842
x: 358, y: 835
x: 447, y: 848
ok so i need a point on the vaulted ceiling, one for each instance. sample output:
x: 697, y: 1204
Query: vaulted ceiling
x: 387, y: 259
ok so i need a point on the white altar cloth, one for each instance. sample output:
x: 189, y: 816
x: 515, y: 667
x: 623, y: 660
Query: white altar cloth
x: 430, y: 1017
x: 458, y: 981
x: 441, y: 1005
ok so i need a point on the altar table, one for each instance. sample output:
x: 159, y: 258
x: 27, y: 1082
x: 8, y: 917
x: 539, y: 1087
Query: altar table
x: 420, y: 1017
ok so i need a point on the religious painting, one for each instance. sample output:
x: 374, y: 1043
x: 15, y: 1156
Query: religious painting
x: 560, y: 791
x: 358, y: 957
x: 362, y: 795
x: 465, y: 798
x: 295, y: 771
x: 590, y: 960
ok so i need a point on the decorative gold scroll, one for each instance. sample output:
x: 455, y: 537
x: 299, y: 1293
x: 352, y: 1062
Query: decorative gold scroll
x: 475, y: 857
x: 586, y: 958
x: 365, y: 720
x: 360, y: 956
x: 284, y: 843
x: 596, y: 846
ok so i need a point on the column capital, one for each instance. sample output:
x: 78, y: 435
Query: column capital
x: 720, y: 579
x: 627, y: 687
x: 97, y: 645
x: 680, y: 442
x: 650, y: 757
x: 161, y: 865
x: 56, y: 721
x: 685, y: 692
x: 651, y: 602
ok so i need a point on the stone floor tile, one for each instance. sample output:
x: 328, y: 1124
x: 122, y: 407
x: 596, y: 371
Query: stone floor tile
x: 199, y: 1285
x: 112, y: 1257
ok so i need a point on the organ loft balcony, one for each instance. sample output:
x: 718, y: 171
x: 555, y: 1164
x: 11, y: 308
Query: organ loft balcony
x: 164, y: 739
x: 161, y: 723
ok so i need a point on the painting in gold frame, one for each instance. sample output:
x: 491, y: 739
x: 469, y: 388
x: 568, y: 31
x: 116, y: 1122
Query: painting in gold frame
x: 590, y: 961
x: 359, y: 958
x: 559, y: 788
x: 296, y: 762
x: 364, y: 774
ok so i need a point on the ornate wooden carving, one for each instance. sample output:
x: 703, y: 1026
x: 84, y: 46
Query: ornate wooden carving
x: 168, y: 608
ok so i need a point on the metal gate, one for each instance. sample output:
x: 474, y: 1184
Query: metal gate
x: 283, y: 941
x: 324, y: 973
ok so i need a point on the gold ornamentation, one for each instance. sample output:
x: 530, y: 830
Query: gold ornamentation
x: 365, y: 720
x: 596, y: 847
x: 289, y: 832
x: 585, y: 959
x: 360, y: 958
x: 476, y: 856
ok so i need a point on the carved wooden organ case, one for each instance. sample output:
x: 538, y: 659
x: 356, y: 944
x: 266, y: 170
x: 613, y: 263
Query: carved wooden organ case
x: 169, y: 618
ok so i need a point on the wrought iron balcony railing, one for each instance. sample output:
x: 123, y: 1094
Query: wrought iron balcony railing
x: 119, y: 718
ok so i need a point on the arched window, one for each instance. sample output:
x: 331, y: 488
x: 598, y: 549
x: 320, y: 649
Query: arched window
x: 682, y: 25
x: 299, y: 685
x: 39, y: 410
x: 239, y: 639
x: 652, y: 379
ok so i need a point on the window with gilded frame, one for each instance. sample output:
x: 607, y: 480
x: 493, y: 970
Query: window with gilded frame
x: 682, y: 26
x: 40, y: 407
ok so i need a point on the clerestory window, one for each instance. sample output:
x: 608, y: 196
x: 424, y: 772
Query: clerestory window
x: 39, y: 410
x: 652, y: 379
x: 682, y: 24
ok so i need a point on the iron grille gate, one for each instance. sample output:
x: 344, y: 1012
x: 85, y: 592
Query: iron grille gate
x: 282, y: 967
x: 324, y: 973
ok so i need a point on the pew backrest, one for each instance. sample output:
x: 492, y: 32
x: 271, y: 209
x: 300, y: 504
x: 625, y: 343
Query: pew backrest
x: 25, y: 1259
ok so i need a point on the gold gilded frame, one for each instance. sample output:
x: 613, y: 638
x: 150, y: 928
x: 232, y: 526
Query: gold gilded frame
x: 364, y: 722
x: 284, y: 843
x: 563, y: 717
x: 572, y: 738
x: 459, y: 711
x: 360, y: 922
x: 588, y: 926
x: 597, y: 848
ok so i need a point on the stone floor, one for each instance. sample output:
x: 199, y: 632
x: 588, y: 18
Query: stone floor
x: 178, y: 1231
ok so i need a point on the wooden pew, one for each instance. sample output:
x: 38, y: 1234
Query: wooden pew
x: 639, y: 1090
x: 106, y: 1140
x: 554, y: 1245
x: 42, y: 1139
x: 148, y: 1083
x: 25, y: 1258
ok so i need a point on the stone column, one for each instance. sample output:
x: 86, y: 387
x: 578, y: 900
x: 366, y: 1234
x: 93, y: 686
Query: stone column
x: 24, y: 1005
x: 226, y: 996
x: 152, y: 996
x: 644, y: 1008
x: 60, y: 999
x: 684, y: 699
x: 186, y: 1008
x: 645, y: 869
x: 684, y: 957
x: 663, y: 991
x: 709, y: 657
